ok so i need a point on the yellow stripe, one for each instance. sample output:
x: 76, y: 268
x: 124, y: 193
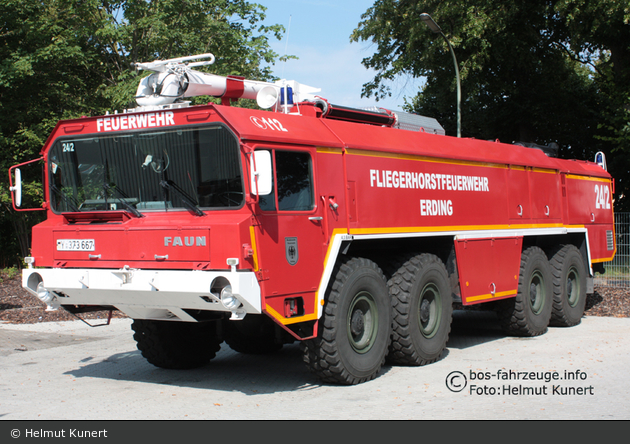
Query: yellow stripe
x: 389, y: 230
x: 325, y: 150
x: 287, y: 321
x: 597, y: 261
x: 359, y: 152
x: 252, y: 236
x: 544, y: 170
x: 336, y: 232
x: 594, y: 179
x: 491, y: 296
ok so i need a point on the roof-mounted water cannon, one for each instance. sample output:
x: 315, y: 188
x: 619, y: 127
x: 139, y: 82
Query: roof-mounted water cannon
x: 173, y: 79
x: 166, y: 65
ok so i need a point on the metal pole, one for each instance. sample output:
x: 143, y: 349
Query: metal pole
x: 426, y: 18
x: 459, y: 89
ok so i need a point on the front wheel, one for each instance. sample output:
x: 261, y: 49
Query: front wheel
x: 355, y: 328
x: 255, y: 334
x: 176, y: 345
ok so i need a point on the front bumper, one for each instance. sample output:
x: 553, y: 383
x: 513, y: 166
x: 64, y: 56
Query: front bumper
x: 145, y: 294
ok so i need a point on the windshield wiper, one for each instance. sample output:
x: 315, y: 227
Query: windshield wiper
x: 118, y: 196
x: 65, y: 198
x: 186, y: 199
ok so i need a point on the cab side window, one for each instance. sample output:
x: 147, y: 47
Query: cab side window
x: 293, y: 187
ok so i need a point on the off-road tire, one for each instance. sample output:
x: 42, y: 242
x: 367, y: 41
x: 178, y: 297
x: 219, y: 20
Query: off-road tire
x: 355, y: 329
x: 529, y: 313
x: 176, y: 345
x: 422, y: 310
x: 255, y: 334
x: 569, y: 286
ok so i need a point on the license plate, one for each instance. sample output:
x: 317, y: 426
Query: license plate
x: 75, y: 244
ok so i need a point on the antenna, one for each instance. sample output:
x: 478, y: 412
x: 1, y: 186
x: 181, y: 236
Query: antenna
x: 286, y: 46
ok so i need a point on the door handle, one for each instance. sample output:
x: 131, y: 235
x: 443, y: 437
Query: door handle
x: 325, y: 220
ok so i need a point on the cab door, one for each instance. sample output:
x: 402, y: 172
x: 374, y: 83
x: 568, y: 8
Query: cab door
x: 290, y: 237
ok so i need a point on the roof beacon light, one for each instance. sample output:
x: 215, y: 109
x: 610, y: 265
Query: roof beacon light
x: 600, y: 159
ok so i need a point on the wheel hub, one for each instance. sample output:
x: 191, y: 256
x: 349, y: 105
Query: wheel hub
x: 429, y: 310
x: 362, y: 322
x: 425, y: 311
x: 537, y: 293
x: 357, y: 323
x: 533, y: 292
x: 573, y: 289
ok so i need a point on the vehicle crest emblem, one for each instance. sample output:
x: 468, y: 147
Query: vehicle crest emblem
x: 291, y: 248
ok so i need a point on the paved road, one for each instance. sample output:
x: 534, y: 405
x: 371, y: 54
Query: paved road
x: 67, y: 370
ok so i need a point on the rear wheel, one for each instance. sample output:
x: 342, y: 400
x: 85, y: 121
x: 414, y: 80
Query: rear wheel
x: 422, y: 311
x: 529, y: 313
x: 355, y: 328
x: 569, y: 286
x: 176, y: 345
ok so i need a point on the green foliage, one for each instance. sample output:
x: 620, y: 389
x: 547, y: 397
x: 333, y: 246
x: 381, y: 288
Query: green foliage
x: 62, y: 59
x: 126, y: 32
x: 531, y: 70
x: 9, y: 273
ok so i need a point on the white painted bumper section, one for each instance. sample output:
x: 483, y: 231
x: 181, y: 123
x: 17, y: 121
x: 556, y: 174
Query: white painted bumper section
x: 146, y: 294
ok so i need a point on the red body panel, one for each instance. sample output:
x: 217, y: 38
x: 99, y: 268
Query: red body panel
x: 488, y: 268
x: 161, y: 241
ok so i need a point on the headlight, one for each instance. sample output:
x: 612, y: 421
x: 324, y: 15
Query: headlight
x: 47, y: 298
x: 228, y: 299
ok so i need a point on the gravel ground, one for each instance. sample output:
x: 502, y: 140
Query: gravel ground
x: 17, y: 306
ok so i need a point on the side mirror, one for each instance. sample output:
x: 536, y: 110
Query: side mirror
x: 261, y: 173
x: 17, y: 188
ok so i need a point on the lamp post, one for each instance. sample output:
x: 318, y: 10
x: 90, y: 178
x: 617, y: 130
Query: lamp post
x: 426, y: 18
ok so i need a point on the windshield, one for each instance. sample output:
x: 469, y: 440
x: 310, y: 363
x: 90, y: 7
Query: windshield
x: 187, y: 168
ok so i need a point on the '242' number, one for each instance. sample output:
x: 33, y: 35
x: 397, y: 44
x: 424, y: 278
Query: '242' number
x: 602, y: 200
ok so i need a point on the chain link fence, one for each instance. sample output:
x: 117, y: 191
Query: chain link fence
x: 618, y: 270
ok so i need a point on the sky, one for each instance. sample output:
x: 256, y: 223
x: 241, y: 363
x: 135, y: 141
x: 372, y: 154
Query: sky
x: 318, y: 33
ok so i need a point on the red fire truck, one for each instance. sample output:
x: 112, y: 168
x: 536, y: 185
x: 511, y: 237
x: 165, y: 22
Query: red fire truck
x: 353, y: 231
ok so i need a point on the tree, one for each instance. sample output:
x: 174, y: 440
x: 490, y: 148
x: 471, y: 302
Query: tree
x: 62, y: 59
x: 132, y: 31
x: 532, y: 71
x: 600, y: 38
x: 44, y: 77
